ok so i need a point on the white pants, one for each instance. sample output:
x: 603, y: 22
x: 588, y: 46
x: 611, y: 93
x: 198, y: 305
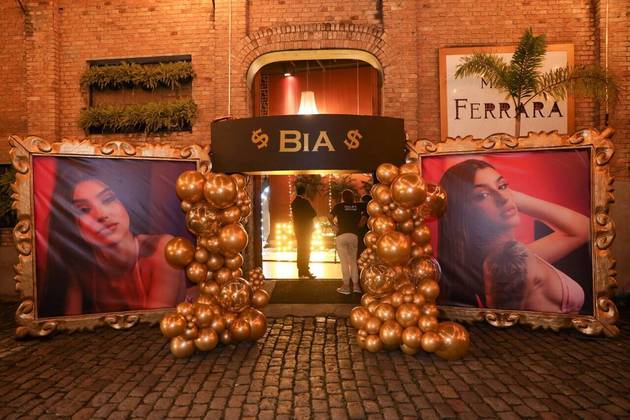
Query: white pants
x: 347, y: 249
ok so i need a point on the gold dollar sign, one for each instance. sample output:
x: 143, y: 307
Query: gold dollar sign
x: 259, y: 138
x: 352, y: 139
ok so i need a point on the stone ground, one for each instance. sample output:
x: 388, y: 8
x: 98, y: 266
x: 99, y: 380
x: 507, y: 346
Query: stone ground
x: 311, y: 367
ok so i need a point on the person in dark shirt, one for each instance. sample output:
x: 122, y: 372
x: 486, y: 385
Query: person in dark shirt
x: 346, y: 217
x: 303, y: 214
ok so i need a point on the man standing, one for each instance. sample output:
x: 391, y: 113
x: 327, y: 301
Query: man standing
x: 348, y: 215
x: 303, y: 214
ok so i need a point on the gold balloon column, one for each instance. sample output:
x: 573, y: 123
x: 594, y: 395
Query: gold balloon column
x: 227, y: 309
x: 398, y: 272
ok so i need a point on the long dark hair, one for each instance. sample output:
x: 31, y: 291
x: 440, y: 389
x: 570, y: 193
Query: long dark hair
x: 68, y: 254
x: 462, y: 238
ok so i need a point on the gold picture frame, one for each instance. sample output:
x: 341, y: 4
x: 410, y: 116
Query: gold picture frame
x: 22, y: 152
x: 602, y: 229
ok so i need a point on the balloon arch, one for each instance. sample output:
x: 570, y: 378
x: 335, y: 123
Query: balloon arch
x: 398, y: 272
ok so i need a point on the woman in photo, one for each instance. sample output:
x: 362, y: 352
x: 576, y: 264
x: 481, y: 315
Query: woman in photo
x: 484, y: 265
x: 96, y: 262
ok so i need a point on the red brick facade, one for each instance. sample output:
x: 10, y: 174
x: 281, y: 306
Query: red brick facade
x: 47, y: 44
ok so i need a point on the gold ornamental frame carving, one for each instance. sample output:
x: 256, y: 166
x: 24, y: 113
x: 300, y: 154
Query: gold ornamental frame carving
x: 605, y: 313
x: 21, y: 153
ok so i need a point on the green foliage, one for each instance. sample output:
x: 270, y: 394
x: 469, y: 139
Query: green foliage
x: 151, y: 117
x: 147, y: 76
x: 522, y: 80
x: 339, y: 184
x: 7, y: 214
x: 312, y: 183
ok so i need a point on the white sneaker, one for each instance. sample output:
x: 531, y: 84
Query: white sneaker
x: 344, y: 290
x: 357, y: 289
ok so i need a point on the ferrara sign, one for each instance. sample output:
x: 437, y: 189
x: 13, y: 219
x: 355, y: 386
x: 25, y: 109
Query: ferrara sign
x: 297, y: 143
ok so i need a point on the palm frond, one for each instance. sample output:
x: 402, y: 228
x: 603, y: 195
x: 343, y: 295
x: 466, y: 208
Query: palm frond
x: 590, y: 81
x: 526, y: 61
x: 490, y: 67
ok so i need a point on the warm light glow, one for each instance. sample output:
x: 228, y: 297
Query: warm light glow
x: 307, y: 103
x: 287, y: 74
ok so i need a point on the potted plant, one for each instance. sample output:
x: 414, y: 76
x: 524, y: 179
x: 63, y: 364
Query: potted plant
x: 522, y: 80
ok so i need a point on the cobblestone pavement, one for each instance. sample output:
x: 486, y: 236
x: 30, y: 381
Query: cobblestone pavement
x: 311, y: 367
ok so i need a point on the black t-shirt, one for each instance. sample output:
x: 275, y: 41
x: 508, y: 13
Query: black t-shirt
x: 348, y: 217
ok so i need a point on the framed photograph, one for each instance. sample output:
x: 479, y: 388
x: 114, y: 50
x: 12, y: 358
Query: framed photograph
x: 526, y: 235
x: 93, y: 221
x: 471, y: 106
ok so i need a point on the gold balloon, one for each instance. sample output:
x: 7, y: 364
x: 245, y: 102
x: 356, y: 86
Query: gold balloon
x: 232, y: 239
x: 382, y: 194
x: 226, y: 337
x: 205, y: 300
x: 394, y: 248
x: 237, y: 273
x: 374, y: 208
x: 407, y: 289
x: 218, y: 324
x: 202, y: 220
x: 207, y: 340
x: 212, y: 244
x: 391, y: 334
x: 179, y: 252
x: 235, y: 295
x: 220, y: 190
x: 373, y: 344
x: 180, y: 347
x: 421, y: 235
x: 410, y: 168
x: 435, y: 203
x: 223, y: 276
x: 358, y: 317
x: 372, y: 325
x: 383, y: 224
x: 408, y: 190
x: 366, y: 299
x: 235, y: 262
x: 240, y: 180
x: 401, y: 215
x: 370, y: 239
x: 430, y: 341
x: 191, y: 332
x: 411, y: 337
x: 204, y: 315
x: 209, y: 288
x: 422, y: 269
x: 408, y: 350
x: 430, y: 309
x: 229, y: 318
x: 185, y: 206
x: 201, y: 255
x: 240, y: 329
x: 377, y: 280
x: 397, y: 299
x: 430, y: 289
x: 185, y: 308
x: 196, y: 272
x: 361, y: 341
x: 257, y: 324
x: 405, y: 227
x: 427, y: 323
x: 189, y: 186
x: 230, y: 215
x: 385, y: 312
x: 172, y: 325
x: 260, y: 298
x: 418, y: 299
x: 386, y: 173
x: 455, y: 341
x: 407, y: 314
x: 372, y: 307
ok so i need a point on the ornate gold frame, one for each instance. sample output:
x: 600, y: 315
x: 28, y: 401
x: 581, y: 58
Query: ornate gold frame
x: 602, y: 226
x: 22, y: 151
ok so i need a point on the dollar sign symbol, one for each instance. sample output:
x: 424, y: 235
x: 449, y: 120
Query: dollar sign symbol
x: 259, y: 138
x: 352, y: 139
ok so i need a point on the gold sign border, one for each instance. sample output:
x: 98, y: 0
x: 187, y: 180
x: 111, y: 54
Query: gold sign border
x: 21, y: 153
x: 602, y: 226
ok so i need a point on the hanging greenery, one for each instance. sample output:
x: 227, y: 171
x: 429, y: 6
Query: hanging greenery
x: 7, y: 214
x: 147, y: 76
x: 152, y: 117
x: 339, y: 184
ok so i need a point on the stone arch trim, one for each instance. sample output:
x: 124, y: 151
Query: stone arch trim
x: 314, y: 36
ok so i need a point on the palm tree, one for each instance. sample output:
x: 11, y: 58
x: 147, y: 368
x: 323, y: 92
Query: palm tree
x: 522, y: 81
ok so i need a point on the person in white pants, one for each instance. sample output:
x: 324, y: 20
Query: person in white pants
x: 346, y: 217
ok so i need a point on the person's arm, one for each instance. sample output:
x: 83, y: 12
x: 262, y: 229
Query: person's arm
x: 571, y: 229
x: 167, y: 283
x: 74, y: 299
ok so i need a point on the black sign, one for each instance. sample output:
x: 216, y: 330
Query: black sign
x: 297, y: 143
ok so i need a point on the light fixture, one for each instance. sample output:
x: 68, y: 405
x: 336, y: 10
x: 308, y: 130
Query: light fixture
x: 307, y: 99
